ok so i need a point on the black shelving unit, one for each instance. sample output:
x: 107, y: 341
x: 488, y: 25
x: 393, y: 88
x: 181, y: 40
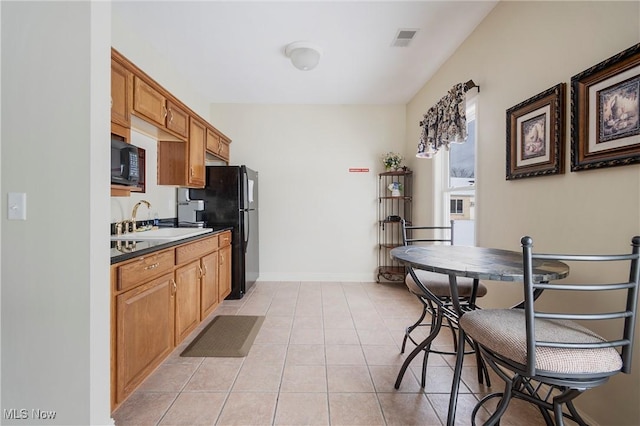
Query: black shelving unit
x: 391, y: 209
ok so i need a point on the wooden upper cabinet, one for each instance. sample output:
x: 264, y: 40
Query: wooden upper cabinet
x: 155, y: 106
x: 217, y: 145
x: 177, y: 119
x: 184, y: 138
x: 213, y: 141
x: 149, y: 102
x: 197, y: 142
x: 121, y: 94
x: 223, y: 152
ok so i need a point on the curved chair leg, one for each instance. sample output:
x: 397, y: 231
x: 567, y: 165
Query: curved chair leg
x: 525, y: 385
x: 510, y: 382
x: 453, y: 335
x: 436, y: 318
x: 416, y: 324
x: 502, y: 406
x: 481, y: 403
x: 483, y: 372
x: 578, y: 419
x: 564, y: 398
x: 425, y: 343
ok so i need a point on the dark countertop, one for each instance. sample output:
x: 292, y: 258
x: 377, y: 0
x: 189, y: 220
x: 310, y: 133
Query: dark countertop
x: 126, y: 250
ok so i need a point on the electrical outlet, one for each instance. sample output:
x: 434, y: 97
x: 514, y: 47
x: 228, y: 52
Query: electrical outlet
x: 17, y: 205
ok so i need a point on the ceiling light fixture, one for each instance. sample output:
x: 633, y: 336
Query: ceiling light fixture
x: 304, y: 55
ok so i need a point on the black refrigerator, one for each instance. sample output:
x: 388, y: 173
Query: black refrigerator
x: 231, y: 200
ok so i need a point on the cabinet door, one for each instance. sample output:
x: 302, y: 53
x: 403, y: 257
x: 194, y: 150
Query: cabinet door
x: 187, y: 299
x: 148, y: 102
x: 223, y: 152
x: 144, y: 332
x: 213, y: 142
x: 224, y: 273
x: 121, y: 80
x: 197, y: 141
x: 177, y: 119
x: 209, y: 284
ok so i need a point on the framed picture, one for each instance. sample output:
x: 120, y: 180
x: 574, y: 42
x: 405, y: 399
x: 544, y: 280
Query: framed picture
x: 536, y: 134
x: 605, y: 107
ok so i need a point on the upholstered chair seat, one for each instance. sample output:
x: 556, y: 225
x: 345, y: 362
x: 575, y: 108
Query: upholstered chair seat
x: 438, y: 284
x: 503, y: 332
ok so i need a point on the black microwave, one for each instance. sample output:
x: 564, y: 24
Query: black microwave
x: 125, y: 169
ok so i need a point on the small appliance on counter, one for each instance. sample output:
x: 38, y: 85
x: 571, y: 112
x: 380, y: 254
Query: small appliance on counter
x: 188, y: 209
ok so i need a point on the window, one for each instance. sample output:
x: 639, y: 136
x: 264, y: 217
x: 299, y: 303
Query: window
x: 457, y: 206
x: 458, y: 183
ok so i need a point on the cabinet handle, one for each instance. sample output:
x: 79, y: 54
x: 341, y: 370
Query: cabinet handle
x: 175, y: 287
x: 154, y: 266
x: 170, y: 115
x: 221, y: 259
x: 205, y: 270
x: 164, y: 111
x: 191, y: 170
x: 201, y: 273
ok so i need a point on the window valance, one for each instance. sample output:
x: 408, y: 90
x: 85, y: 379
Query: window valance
x: 445, y: 122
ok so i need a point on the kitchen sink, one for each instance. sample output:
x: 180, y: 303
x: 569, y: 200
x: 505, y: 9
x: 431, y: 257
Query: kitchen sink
x: 162, y: 234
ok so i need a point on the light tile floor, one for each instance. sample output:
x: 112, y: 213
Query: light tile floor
x: 327, y: 354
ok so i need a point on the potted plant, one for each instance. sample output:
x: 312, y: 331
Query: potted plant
x: 392, y: 161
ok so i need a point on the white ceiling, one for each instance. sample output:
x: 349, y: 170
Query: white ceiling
x: 233, y: 51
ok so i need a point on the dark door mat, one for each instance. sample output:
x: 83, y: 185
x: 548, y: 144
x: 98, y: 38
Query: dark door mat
x: 225, y: 336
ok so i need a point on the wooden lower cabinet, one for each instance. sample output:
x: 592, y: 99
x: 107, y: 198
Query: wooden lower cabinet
x: 209, y: 284
x: 224, y: 273
x: 144, y: 331
x: 187, y: 299
x: 158, y: 299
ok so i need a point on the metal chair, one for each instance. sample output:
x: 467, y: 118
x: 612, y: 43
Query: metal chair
x: 433, y: 290
x: 547, y: 358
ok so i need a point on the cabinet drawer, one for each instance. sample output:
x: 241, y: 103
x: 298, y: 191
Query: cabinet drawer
x: 225, y: 239
x: 144, y: 268
x: 196, y: 249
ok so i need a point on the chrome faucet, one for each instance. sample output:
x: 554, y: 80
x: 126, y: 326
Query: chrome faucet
x: 135, y: 211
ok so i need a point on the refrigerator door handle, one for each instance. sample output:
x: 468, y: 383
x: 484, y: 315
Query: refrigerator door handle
x: 245, y: 189
x: 247, y: 229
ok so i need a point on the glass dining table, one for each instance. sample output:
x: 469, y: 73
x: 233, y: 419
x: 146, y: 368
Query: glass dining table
x: 478, y: 263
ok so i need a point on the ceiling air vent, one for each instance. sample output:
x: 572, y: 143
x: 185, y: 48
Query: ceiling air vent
x: 403, y: 37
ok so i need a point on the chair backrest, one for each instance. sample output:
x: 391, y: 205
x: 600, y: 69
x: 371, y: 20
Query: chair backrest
x: 426, y: 234
x: 625, y: 314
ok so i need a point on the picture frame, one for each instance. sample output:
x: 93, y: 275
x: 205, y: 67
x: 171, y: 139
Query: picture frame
x: 536, y: 135
x: 605, y: 113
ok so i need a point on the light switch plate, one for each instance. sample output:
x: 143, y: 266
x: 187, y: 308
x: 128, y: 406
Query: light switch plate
x: 17, y: 205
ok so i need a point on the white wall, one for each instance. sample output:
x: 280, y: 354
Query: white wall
x: 55, y: 274
x: 317, y: 220
x: 520, y: 50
